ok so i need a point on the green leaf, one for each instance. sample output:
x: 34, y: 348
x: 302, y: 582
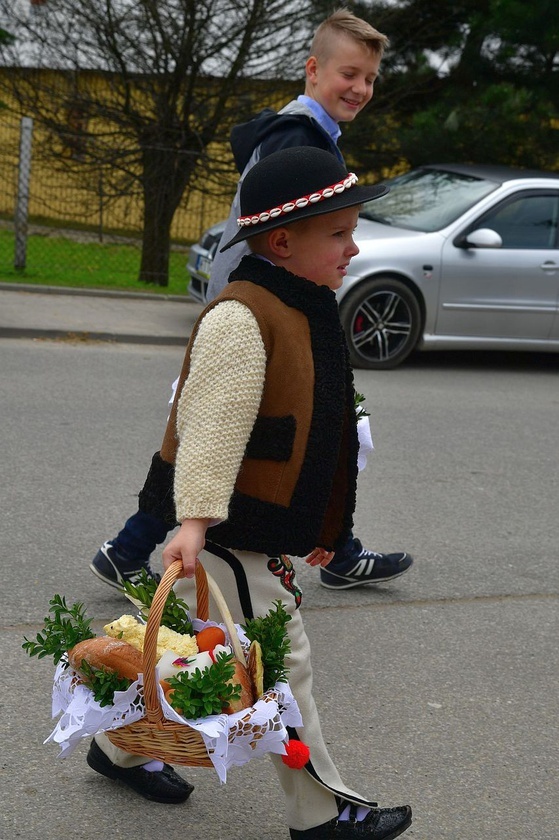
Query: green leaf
x: 271, y: 631
x: 64, y: 627
x: 205, y: 692
x: 360, y: 410
x: 103, y: 683
x: 175, y: 612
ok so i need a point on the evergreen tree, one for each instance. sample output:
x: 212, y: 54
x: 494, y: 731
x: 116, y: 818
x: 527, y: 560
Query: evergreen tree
x: 468, y: 81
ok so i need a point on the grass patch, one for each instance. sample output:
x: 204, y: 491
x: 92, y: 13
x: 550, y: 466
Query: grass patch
x: 58, y: 261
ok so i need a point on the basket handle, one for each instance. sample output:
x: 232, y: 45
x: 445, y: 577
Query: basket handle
x: 226, y: 616
x: 204, y: 584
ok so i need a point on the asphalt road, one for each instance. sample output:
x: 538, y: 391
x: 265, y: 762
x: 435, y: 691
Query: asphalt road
x: 441, y: 689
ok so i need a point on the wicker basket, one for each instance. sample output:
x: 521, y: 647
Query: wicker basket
x: 154, y: 736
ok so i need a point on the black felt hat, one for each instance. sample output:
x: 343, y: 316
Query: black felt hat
x: 294, y: 184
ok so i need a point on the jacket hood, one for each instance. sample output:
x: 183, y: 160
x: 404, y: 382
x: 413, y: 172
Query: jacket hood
x: 245, y: 137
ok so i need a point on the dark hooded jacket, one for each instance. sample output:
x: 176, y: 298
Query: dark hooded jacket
x: 272, y: 131
x: 294, y: 125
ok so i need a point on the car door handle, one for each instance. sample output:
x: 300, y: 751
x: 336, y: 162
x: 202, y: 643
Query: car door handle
x: 549, y: 266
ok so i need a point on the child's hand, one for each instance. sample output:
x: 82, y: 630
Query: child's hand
x: 319, y: 557
x: 186, y: 545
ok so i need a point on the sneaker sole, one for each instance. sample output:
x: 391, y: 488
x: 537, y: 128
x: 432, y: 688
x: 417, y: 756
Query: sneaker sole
x: 115, y: 584
x: 346, y: 584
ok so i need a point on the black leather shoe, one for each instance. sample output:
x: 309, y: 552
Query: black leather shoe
x: 159, y: 786
x: 379, y: 824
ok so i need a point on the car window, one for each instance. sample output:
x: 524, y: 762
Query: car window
x: 427, y: 199
x: 527, y: 221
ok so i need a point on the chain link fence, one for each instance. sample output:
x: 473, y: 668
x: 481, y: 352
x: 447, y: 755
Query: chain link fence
x: 58, y: 226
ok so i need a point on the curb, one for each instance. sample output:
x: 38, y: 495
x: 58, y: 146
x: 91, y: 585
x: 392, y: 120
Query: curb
x: 63, y: 290
x: 84, y: 337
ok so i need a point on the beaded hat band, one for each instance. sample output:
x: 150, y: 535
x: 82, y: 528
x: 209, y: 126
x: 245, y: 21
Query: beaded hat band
x: 300, y: 203
x: 317, y: 176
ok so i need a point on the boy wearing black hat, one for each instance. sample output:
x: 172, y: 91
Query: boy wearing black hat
x: 264, y: 429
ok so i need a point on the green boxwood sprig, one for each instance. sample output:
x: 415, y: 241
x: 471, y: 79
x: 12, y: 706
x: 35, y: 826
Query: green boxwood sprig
x: 64, y: 628
x: 103, y: 683
x: 206, y: 692
x: 360, y: 410
x: 175, y: 612
x: 271, y: 631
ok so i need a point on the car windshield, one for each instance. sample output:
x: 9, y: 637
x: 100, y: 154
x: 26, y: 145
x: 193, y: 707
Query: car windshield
x: 427, y: 199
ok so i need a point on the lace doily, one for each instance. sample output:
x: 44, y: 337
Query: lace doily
x: 232, y: 740
x: 82, y: 716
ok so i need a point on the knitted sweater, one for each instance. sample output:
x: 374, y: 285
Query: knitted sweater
x: 217, y: 410
x: 265, y: 417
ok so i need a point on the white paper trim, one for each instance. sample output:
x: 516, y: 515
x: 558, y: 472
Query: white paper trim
x: 365, y: 442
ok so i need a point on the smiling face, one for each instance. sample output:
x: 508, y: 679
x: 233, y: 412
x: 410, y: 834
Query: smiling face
x: 342, y: 81
x: 319, y: 248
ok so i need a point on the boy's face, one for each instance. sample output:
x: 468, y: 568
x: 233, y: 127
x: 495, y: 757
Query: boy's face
x: 321, y: 248
x: 343, y: 83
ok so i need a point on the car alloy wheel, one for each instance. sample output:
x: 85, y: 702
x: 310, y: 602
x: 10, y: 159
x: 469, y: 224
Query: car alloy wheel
x: 382, y: 321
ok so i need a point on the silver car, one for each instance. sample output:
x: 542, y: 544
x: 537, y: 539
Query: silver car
x: 455, y: 256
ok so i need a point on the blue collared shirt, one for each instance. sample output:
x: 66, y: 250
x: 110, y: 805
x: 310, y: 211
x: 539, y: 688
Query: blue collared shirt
x: 324, y: 120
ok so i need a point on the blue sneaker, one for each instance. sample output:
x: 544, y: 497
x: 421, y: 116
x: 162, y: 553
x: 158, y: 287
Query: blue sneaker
x: 115, y: 569
x: 357, y: 566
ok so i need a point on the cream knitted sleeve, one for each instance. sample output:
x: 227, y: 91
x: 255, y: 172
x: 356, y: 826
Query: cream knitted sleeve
x: 217, y: 409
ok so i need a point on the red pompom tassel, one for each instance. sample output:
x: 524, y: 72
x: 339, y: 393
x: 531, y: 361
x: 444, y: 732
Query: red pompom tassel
x: 297, y: 754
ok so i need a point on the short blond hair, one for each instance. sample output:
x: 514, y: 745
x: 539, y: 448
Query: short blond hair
x: 343, y: 22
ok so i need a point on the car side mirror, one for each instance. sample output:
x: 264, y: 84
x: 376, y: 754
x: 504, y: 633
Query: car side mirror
x: 480, y: 238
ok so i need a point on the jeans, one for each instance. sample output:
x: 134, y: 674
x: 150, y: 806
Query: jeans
x: 139, y: 537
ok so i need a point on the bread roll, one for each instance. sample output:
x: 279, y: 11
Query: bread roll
x: 241, y: 677
x: 110, y: 654
x: 256, y: 668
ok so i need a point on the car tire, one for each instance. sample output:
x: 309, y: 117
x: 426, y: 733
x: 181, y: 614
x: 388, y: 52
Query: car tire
x: 381, y: 318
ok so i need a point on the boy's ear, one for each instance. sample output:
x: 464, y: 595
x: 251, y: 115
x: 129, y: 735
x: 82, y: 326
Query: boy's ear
x: 279, y: 242
x: 311, y: 68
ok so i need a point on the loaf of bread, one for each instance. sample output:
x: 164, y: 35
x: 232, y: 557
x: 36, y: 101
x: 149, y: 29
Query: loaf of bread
x: 110, y: 654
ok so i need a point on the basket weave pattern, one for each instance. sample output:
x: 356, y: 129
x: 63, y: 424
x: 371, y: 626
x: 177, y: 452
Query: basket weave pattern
x: 154, y: 736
